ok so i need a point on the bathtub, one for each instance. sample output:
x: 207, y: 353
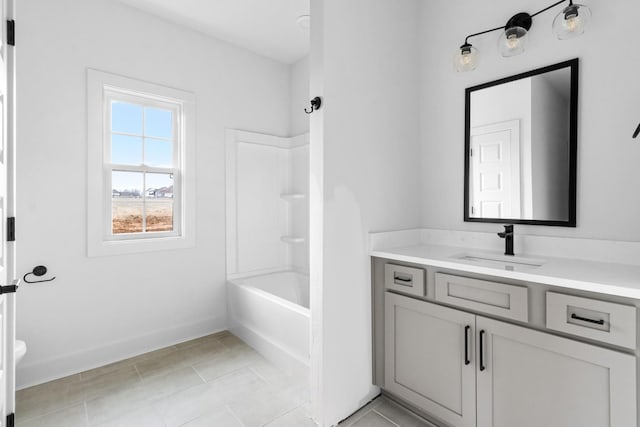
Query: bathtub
x: 270, y: 312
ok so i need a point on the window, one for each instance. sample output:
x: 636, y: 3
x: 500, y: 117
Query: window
x: 142, y: 164
x: 140, y: 150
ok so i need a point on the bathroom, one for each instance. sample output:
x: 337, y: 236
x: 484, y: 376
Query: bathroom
x: 385, y: 152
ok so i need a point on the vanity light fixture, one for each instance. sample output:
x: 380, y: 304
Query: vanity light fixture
x: 569, y: 23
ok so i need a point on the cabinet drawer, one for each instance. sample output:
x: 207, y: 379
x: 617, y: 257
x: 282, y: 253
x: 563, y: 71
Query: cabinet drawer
x: 404, y: 279
x: 499, y: 299
x: 598, y: 320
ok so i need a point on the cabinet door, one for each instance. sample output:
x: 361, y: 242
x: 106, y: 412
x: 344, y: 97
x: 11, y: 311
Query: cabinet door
x: 528, y: 378
x: 425, y: 360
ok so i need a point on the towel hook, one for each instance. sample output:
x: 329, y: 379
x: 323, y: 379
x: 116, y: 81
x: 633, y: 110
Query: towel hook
x: 315, y: 105
x: 38, y: 270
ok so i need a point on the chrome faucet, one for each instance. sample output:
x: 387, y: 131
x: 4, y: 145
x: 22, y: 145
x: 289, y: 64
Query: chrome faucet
x: 507, y: 235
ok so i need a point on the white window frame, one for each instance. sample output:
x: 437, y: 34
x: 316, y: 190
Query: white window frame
x: 103, y: 88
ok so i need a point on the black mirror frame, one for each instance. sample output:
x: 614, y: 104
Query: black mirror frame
x: 573, y: 64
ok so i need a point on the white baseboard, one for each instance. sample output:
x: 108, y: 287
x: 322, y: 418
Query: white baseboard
x: 29, y: 374
x: 271, y: 351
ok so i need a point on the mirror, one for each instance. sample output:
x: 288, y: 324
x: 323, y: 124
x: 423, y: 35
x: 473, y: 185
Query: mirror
x: 520, y: 148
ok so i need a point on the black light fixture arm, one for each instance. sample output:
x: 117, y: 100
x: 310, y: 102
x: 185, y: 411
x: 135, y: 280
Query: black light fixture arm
x: 551, y: 7
x: 514, y: 20
x: 466, y: 40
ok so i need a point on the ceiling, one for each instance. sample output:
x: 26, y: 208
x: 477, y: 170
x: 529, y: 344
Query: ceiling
x: 267, y: 27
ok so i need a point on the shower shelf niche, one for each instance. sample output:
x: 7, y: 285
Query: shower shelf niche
x: 292, y: 197
x: 292, y: 239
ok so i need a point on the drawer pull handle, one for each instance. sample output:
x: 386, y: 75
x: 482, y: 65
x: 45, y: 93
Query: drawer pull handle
x: 482, y: 367
x: 585, y: 319
x: 466, y: 345
x: 403, y: 279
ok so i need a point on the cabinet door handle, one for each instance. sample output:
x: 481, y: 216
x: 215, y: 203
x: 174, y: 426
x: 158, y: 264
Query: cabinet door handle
x: 466, y: 345
x: 585, y: 319
x: 482, y: 367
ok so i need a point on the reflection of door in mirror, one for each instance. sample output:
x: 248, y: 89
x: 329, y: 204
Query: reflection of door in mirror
x: 495, y: 170
x: 520, y: 148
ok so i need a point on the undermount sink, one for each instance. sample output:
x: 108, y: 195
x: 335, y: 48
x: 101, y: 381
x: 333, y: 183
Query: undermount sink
x: 505, y: 261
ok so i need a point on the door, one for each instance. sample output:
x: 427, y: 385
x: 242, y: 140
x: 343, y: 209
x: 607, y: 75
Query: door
x: 429, y: 358
x: 528, y: 378
x: 495, y: 171
x: 7, y: 196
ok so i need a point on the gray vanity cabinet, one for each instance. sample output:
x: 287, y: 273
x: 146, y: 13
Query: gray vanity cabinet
x: 468, y: 370
x: 425, y: 360
x: 533, y: 379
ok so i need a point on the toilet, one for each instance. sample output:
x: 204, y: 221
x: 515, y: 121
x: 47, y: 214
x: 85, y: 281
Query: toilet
x: 20, y: 350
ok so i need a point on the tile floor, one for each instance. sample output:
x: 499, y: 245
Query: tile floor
x: 382, y: 412
x: 214, y: 381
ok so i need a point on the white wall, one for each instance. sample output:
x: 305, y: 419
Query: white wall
x: 299, y: 89
x: 550, y: 150
x: 364, y: 177
x: 608, y: 112
x: 91, y: 313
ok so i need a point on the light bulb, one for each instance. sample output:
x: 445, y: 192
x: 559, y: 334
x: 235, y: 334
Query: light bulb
x: 571, y: 21
x: 465, y: 58
x: 513, y: 41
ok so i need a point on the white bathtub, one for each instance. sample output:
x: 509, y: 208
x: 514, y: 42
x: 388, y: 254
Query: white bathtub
x: 270, y: 312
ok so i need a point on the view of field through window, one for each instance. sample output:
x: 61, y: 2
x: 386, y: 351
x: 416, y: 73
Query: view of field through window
x: 141, y: 201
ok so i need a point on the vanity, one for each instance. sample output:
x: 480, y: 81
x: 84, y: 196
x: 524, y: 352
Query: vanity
x: 474, y: 338
x: 468, y: 334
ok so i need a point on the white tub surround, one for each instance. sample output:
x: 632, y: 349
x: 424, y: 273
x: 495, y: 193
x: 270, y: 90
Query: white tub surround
x: 267, y: 203
x: 267, y: 225
x: 271, y: 313
x: 584, y: 265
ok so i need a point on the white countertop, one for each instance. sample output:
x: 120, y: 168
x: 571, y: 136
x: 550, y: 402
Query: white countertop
x: 606, y: 278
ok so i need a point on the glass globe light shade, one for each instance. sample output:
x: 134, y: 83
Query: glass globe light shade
x: 513, y: 41
x: 466, y: 58
x: 571, y: 21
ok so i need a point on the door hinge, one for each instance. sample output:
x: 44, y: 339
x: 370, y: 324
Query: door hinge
x: 11, y: 229
x: 470, y: 152
x: 10, y: 289
x: 473, y: 210
x: 11, y: 420
x: 11, y: 32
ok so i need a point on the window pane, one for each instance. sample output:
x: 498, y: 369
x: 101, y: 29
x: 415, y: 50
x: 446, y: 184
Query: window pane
x: 126, y: 118
x: 159, y: 215
x: 126, y: 150
x: 127, y: 203
x: 158, y: 123
x: 159, y: 200
x: 158, y: 152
